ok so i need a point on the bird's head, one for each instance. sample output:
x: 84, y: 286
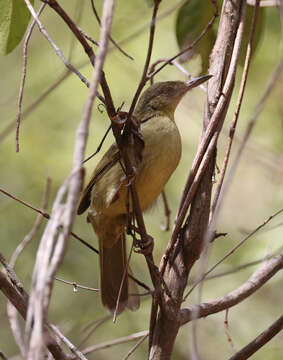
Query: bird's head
x: 163, y: 97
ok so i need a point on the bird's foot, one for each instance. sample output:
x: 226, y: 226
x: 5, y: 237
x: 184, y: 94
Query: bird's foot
x: 144, y: 247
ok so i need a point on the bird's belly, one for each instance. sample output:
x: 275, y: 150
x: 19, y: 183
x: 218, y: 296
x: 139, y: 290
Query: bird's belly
x: 160, y: 158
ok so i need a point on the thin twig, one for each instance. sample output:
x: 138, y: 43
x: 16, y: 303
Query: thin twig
x: 110, y: 38
x: 243, y: 266
x: 11, y: 310
x: 92, y: 328
x: 208, y: 141
x: 35, y: 104
x: 259, y: 341
x: 133, y: 349
x: 230, y: 252
x: 24, y: 73
x: 111, y: 343
x: 227, y: 330
x: 56, y: 48
x: 88, y: 37
x: 76, y: 286
x: 260, y: 277
x: 99, y: 146
x: 54, y: 242
x: 250, y: 125
x: 189, y: 47
x: 47, y: 216
x: 237, y: 111
x: 148, y: 57
x: 67, y: 342
x: 20, y: 303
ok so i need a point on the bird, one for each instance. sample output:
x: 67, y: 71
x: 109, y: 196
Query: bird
x: 106, y: 193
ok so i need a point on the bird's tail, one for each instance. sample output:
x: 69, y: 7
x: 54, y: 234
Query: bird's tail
x: 114, y: 286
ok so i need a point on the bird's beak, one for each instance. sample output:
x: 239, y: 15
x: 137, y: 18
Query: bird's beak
x: 197, y: 81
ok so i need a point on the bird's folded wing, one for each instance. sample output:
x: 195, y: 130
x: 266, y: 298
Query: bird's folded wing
x: 110, y: 158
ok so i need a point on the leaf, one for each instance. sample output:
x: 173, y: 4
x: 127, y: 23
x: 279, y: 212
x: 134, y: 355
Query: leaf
x: 192, y: 18
x: 14, y: 19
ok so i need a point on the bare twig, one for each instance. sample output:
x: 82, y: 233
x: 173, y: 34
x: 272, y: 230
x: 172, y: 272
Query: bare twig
x: 133, y: 349
x: 35, y: 104
x: 111, y: 343
x: 257, y: 280
x: 259, y: 341
x: 237, y: 111
x: 47, y: 216
x: 24, y: 72
x: 227, y: 330
x: 67, y: 342
x: 35, y: 227
x: 189, y: 47
x: 20, y: 303
x: 209, y: 138
x: 75, y: 285
x: 230, y: 252
x: 110, y: 38
x: 11, y: 310
x: 88, y: 37
x: 55, y: 47
x: 53, y: 243
x: 148, y: 57
x: 251, y: 123
x: 91, y: 328
x: 243, y: 266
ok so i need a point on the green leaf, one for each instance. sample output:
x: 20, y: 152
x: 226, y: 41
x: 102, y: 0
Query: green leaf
x: 192, y: 18
x: 14, y: 19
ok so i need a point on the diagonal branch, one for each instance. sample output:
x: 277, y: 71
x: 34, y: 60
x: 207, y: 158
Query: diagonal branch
x: 256, y: 281
x: 259, y: 341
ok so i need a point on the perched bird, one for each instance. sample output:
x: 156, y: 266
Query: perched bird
x: 106, y: 193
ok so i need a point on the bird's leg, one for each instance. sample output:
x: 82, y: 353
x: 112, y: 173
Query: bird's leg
x: 141, y: 247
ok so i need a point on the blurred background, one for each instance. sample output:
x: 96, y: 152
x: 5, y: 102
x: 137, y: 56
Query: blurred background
x: 47, y: 137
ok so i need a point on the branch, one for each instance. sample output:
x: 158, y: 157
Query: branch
x: 89, y: 51
x: 110, y: 343
x: 47, y: 216
x: 20, y: 303
x: 230, y: 252
x: 259, y: 341
x: 24, y: 72
x: 256, y: 281
x: 237, y: 112
x: 54, y: 240
x: 55, y: 47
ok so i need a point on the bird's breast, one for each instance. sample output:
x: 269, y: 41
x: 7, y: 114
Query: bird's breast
x: 161, y: 156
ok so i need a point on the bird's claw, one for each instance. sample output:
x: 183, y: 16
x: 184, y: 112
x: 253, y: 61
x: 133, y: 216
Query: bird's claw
x: 144, y: 247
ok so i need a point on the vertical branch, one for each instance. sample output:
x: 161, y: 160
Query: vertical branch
x: 56, y: 235
x: 188, y: 241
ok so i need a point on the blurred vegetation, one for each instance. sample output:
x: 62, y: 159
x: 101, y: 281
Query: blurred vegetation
x: 46, y: 149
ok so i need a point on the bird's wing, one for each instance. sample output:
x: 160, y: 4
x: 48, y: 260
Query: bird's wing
x: 109, y: 159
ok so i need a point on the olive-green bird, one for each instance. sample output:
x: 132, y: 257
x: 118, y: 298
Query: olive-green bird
x: 106, y: 192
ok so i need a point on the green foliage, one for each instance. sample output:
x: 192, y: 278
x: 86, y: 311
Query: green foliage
x: 14, y: 19
x: 192, y: 18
